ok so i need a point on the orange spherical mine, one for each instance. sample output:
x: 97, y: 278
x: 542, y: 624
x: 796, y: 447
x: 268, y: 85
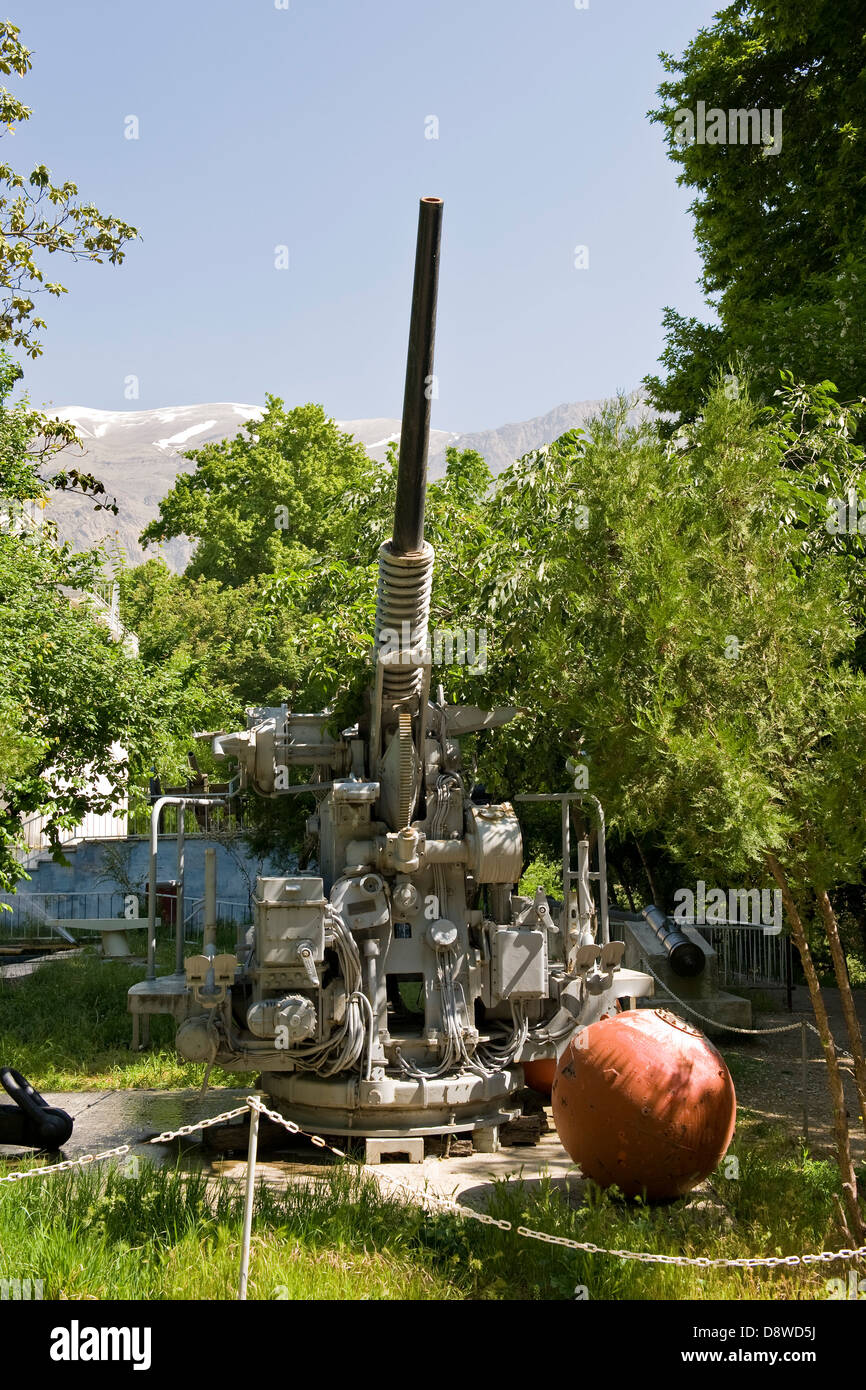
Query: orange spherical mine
x: 539, y: 1074
x: 644, y: 1101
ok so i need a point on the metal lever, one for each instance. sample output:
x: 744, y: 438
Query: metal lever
x: 305, y: 956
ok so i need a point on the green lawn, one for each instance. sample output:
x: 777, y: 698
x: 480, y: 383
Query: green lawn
x: 67, y: 1028
x: 167, y: 1235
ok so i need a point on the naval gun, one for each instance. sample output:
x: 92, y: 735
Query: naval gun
x: 395, y: 993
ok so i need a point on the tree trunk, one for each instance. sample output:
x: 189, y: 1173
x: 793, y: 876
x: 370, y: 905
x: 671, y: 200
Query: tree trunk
x: 852, y: 1023
x: 616, y: 863
x: 649, y: 877
x: 834, y: 1077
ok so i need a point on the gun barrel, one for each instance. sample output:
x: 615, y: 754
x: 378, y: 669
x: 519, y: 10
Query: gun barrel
x: 408, y: 535
x: 686, y: 957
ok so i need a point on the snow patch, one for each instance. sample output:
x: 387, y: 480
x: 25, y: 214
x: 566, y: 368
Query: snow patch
x: 183, y: 435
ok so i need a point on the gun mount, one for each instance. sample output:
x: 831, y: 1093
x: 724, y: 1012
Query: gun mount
x: 397, y: 992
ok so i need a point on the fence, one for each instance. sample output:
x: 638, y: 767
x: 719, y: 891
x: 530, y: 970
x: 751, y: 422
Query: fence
x: 111, y: 826
x: 750, y: 959
x: 30, y: 914
x: 224, y: 818
x: 229, y: 912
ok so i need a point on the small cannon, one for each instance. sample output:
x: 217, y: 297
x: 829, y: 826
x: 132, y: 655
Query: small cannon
x: 686, y: 957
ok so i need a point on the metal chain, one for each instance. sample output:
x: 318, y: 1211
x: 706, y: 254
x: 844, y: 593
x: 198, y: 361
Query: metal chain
x: 202, y: 1124
x: 452, y: 1205
x: 290, y: 1125
x: 644, y: 1257
x: 752, y: 1032
x: 728, y: 1027
x: 252, y: 1103
x: 66, y: 1165
x: 840, y: 1051
x: 121, y: 1149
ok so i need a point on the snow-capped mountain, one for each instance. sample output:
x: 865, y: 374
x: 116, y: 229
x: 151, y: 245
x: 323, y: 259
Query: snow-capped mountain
x: 138, y: 454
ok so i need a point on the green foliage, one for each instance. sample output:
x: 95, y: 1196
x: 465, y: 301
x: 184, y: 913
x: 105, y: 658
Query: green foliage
x: 159, y: 1233
x: 28, y: 441
x: 38, y: 217
x: 781, y: 235
x: 610, y: 623
x: 67, y: 1027
x: 276, y: 495
x: 696, y: 648
x: 80, y: 717
x: 205, y: 631
x: 267, y: 612
x: 542, y: 872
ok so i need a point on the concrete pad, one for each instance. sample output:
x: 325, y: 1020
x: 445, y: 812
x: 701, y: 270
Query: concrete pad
x: 105, y: 1119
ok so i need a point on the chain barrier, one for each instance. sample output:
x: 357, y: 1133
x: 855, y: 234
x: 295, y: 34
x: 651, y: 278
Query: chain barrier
x: 86, y: 1159
x: 728, y: 1027
x: 66, y: 1165
x: 644, y: 1257
x: 840, y: 1051
x: 751, y: 1032
x: 435, y: 1199
x: 185, y: 1130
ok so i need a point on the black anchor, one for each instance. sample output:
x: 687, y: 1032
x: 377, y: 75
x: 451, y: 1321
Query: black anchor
x: 31, y: 1121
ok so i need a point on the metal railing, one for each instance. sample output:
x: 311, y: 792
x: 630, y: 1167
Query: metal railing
x: 229, y: 912
x: 750, y: 959
x: 32, y: 915
x: 201, y: 822
x: 220, y: 819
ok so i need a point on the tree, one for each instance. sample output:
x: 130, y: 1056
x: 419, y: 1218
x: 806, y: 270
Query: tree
x: 299, y: 626
x: 327, y: 601
x: 208, y: 633
x: 283, y: 490
x: 37, y: 218
x: 29, y: 442
x: 80, y: 718
x: 696, y: 651
x: 780, y: 231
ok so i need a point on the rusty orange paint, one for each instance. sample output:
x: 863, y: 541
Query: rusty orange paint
x: 539, y: 1074
x: 645, y: 1102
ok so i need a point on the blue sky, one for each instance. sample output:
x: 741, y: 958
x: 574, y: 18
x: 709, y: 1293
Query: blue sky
x: 305, y: 127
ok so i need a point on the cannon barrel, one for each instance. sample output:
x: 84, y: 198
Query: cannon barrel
x: 686, y: 957
x: 408, y: 535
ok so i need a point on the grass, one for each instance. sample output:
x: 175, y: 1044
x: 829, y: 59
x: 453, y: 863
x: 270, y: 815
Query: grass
x: 163, y: 1234
x: 166, y: 1235
x: 67, y: 1028
x: 742, y: 1067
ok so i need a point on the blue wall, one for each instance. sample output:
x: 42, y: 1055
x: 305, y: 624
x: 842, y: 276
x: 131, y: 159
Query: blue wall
x: 88, y: 870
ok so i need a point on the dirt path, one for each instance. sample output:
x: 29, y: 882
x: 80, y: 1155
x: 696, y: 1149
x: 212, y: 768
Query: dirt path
x: 768, y: 1073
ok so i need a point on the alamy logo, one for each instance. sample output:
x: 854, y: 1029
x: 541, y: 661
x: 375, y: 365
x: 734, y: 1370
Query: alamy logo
x: 848, y: 517
x: 450, y: 647
x: 713, y: 907
x: 735, y: 127
x: 18, y: 1290
x: 77, y: 1343
x: 855, y: 1288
